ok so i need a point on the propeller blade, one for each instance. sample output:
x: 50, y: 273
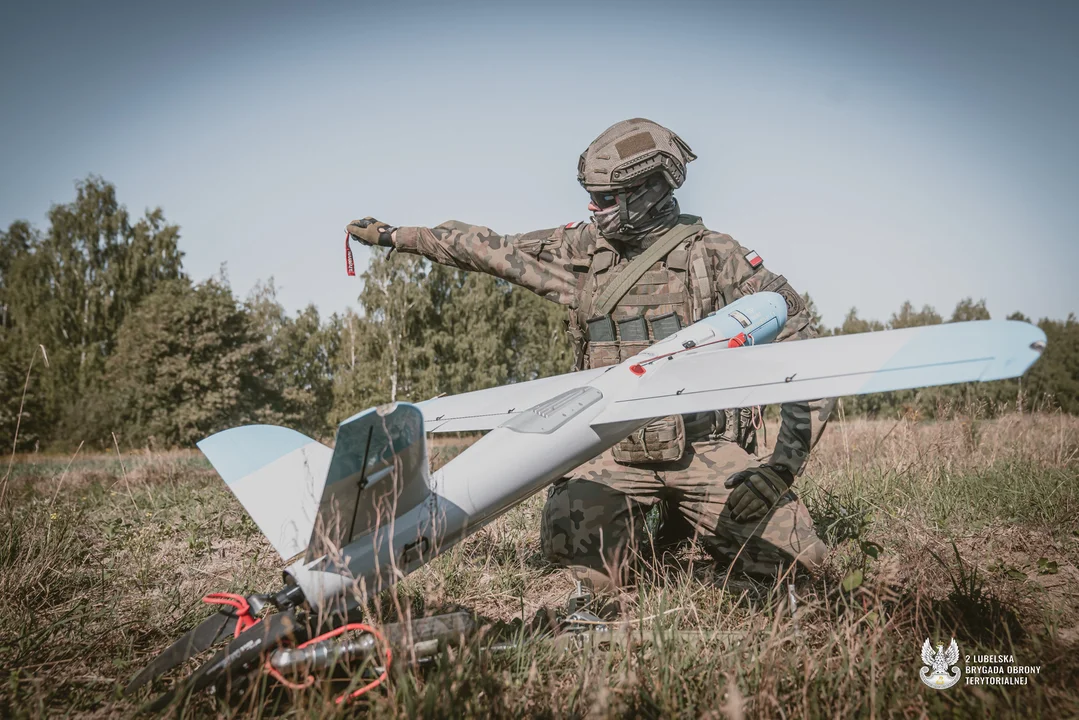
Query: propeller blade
x: 239, y: 654
x: 194, y: 641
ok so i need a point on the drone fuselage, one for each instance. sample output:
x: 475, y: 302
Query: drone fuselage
x: 522, y: 455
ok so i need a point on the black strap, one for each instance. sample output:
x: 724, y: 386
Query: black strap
x: 687, y: 227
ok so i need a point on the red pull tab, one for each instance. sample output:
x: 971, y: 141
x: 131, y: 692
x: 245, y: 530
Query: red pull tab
x: 350, y: 264
x: 737, y: 341
x: 244, y: 618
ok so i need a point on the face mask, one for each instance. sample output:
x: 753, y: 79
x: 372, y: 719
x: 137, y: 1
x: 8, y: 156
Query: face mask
x: 646, y: 208
x: 607, y: 221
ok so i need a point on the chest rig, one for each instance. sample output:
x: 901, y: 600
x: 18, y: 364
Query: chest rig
x: 613, y: 323
x: 675, y: 291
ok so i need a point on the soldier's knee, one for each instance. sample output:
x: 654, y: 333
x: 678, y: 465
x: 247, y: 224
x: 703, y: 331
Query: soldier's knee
x: 793, y: 528
x: 557, y: 529
x: 589, y: 525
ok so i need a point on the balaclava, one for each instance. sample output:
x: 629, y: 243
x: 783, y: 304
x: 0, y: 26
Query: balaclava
x: 638, y: 212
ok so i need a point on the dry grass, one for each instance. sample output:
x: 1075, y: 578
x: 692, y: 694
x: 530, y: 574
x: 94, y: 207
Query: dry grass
x: 102, y: 565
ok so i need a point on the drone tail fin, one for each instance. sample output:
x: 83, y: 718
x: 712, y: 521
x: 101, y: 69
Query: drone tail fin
x: 378, y: 472
x: 277, y: 474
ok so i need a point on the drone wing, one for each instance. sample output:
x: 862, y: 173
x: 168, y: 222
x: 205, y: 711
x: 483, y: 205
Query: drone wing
x: 718, y: 378
x: 487, y: 409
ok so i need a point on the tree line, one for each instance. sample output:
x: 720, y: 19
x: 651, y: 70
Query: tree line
x: 104, y: 339
x: 137, y: 350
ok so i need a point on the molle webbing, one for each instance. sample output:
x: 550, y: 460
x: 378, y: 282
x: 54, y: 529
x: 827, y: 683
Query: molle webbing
x: 687, y: 227
x: 701, y: 282
x: 662, y: 440
x: 652, y: 299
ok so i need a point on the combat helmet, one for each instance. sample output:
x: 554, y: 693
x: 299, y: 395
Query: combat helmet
x: 627, y: 151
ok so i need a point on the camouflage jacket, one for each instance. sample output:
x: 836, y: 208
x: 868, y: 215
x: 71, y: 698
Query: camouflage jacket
x: 555, y: 263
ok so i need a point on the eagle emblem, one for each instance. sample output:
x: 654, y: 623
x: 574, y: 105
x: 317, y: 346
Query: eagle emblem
x: 935, y: 674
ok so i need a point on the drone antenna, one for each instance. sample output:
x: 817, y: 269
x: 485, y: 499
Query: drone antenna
x: 360, y: 485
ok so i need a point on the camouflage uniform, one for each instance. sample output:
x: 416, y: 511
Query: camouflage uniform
x: 596, y: 516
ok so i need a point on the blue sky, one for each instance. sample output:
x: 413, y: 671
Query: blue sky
x: 871, y: 153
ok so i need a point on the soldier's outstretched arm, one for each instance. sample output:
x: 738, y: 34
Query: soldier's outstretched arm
x: 544, y: 261
x: 739, y: 272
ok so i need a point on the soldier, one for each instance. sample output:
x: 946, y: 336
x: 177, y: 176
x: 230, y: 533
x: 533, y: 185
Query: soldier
x: 700, y: 469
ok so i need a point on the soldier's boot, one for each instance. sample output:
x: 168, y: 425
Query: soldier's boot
x: 599, y: 581
x: 763, y: 560
x: 588, y: 599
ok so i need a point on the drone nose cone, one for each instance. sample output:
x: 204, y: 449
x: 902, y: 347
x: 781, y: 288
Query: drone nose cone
x: 777, y: 306
x: 757, y: 318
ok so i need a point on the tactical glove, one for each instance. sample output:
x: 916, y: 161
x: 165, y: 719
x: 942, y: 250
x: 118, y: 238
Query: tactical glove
x: 756, y: 491
x: 371, y: 232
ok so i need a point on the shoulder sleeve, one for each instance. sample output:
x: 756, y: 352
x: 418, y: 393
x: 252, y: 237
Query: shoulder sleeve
x: 541, y: 261
x: 740, y: 272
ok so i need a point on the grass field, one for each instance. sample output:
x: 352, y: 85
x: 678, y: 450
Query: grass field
x: 965, y: 529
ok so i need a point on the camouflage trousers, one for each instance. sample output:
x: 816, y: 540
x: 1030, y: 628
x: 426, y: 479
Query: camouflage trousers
x: 595, y: 520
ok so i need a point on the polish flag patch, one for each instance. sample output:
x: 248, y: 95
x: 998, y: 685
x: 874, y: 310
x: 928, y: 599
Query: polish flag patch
x: 754, y: 259
x: 574, y: 225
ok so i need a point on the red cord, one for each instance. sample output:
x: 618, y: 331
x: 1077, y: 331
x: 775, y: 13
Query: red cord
x: 350, y: 265
x: 244, y: 619
x: 272, y: 671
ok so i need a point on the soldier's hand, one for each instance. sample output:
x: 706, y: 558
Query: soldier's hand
x: 371, y: 232
x: 756, y: 491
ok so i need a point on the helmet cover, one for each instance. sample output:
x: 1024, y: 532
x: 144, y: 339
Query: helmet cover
x: 628, y: 151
